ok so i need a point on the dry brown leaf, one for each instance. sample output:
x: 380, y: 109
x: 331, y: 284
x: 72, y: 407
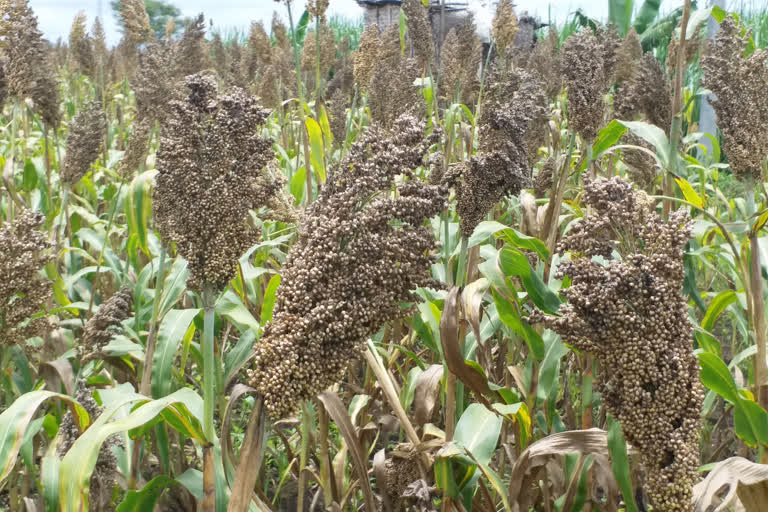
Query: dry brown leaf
x: 449, y: 339
x: 338, y: 412
x: 472, y: 305
x: 427, y: 393
x: 734, y: 482
x: 380, y: 472
x: 540, y: 454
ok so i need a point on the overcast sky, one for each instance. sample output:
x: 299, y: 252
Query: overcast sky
x: 55, y: 16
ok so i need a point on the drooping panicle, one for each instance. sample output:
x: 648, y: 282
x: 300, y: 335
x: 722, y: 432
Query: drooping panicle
x: 631, y: 315
x: 28, y: 68
x: 504, y: 27
x: 84, y: 142
x: 546, y: 65
x: 392, y: 91
x: 192, y: 52
x: 739, y: 83
x: 211, y: 165
x: 365, y: 56
x: 105, y: 324
x: 419, y: 30
x: 513, y: 102
x: 648, y: 92
x: 23, y: 292
x: 362, y: 249
x: 585, y: 80
x: 460, y: 59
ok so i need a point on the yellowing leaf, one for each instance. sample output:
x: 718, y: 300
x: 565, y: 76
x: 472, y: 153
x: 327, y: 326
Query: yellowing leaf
x: 316, y: 149
x: 690, y: 195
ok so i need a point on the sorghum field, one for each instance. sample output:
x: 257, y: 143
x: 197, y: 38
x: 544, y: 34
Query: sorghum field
x: 310, y: 267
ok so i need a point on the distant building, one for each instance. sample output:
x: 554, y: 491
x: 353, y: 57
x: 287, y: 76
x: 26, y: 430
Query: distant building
x: 453, y: 12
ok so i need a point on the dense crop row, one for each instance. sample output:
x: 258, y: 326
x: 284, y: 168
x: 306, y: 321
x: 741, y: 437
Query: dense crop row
x: 316, y: 270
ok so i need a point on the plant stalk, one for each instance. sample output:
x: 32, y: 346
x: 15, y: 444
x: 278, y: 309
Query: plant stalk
x: 209, y: 376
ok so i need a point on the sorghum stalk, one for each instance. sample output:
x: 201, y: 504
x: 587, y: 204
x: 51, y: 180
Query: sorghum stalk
x: 146, y: 375
x: 303, y: 129
x: 758, y: 302
x: 209, y: 484
x: 104, y: 246
x: 677, y: 121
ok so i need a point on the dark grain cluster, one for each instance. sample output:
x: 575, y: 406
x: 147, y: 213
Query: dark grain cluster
x: 361, y: 251
x: 211, y: 165
x: 631, y: 315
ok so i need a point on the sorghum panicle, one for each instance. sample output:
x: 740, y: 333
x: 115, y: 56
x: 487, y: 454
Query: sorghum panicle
x: 366, y: 55
x: 136, y: 150
x: 739, y: 84
x: 513, y: 101
x: 28, y: 68
x: 647, y: 92
x: 419, y: 30
x: 104, y: 477
x: 84, y: 142
x: 504, y: 27
x: 105, y: 324
x: 460, y: 58
x: 210, y: 164
x: 23, y: 292
x: 360, y: 253
x: 630, y: 314
x: 3, y: 85
x: 545, y: 64
x: 135, y: 20
x: 585, y: 78
x: 192, y: 54
x: 259, y: 49
x: 627, y: 56
x: 392, y: 90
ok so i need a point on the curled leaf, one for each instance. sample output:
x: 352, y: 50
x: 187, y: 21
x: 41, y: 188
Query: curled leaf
x: 745, y: 483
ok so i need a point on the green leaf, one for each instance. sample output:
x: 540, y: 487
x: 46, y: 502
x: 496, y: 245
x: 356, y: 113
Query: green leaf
x: 550, y: 367
x: 716, y: 307
x: 716, y: 376
x: 489, y: 227
x: 146, y: 498
x: 403, y: 26
x: 759, y: 223
x: 230, y: 306
x: 509, y: 317
x: 301, y: 27
x: 478, y: 431
x: 15, y: 419
x: 607, y: 137
x: 138, y: 208
x: 49, y: 477
x: 77, y: 465
x: 514, y: 263
x: 620, y: 462
x: 620, y: 14
x: 316, y: 149
x: 176, y: 324
x: 30, y: 179
x: 645, y: 16
x: 175, y: 285
x: 654, y: 136
x: 298, y: 184
x: 690, y: 195
x: 270, y: 295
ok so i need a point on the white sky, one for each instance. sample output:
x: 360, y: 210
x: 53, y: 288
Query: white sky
x: 55, y: 16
